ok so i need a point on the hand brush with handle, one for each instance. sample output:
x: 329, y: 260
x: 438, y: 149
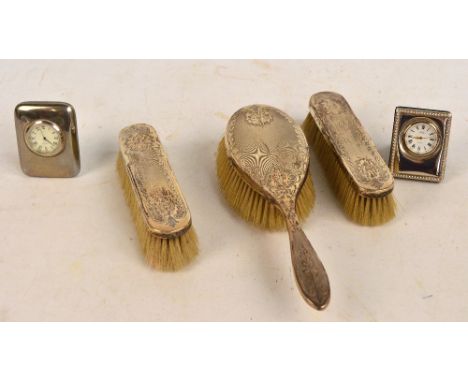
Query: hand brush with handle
x: 263, y: 166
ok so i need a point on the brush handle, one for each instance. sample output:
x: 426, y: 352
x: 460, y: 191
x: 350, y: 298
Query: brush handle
x: 310, y: 273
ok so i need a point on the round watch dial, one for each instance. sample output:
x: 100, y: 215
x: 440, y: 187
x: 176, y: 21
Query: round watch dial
x: 44, y: 138
x: 420, y: 139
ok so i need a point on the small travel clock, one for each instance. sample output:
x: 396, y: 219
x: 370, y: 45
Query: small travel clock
x: 47, y: 139
x: 419, y: 144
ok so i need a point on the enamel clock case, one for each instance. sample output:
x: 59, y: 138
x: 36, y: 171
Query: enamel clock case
x: 419, y: 144
x: 47, y: 139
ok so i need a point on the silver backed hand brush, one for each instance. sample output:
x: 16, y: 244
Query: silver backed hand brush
x: 354, y: 168
x: 263, y: 171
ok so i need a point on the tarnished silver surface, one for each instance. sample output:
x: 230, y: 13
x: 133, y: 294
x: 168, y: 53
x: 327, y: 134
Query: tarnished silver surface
x: 63, y: 162
x: 350, y: 141
x: 154, y: 184
x: 270, y: 149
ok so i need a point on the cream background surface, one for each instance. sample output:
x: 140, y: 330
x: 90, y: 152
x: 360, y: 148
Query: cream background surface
x: 68, y: 249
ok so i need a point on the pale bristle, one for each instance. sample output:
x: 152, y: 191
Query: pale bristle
x: 160, y: 253
x: 361, y: 209
x: 250, y: 204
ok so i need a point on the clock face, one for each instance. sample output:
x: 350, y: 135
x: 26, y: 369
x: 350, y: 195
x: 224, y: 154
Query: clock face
x: 44, y: 138
x: 422, y: 138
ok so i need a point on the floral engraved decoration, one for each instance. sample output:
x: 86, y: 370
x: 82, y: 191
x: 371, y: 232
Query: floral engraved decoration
x: 280, y: 169
x: 152, y: 176
x: 369, y: 172
x: 141, y: 140
x: 276, y: 158
x: 351, y: 143
x: 164, y: 205
x: 258, y: 116
x: 282, y: 184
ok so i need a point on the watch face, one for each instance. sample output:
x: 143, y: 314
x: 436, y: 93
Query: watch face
x: 44, y: 138
x: 420, y: 138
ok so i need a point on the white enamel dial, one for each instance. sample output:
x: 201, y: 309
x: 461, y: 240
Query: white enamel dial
x: 422, y: 138
x: 44, y: 138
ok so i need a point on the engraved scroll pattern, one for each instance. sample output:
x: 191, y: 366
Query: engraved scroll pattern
x: 161, y: 200
x: 278, y: 168
x: 309, y: 270
x: 272, y: 150
x: 369, y: 169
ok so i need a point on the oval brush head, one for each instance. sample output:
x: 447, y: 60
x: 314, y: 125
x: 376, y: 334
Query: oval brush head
x: 359, y: 167
x: 252, y: 205
x: 160, y: 213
